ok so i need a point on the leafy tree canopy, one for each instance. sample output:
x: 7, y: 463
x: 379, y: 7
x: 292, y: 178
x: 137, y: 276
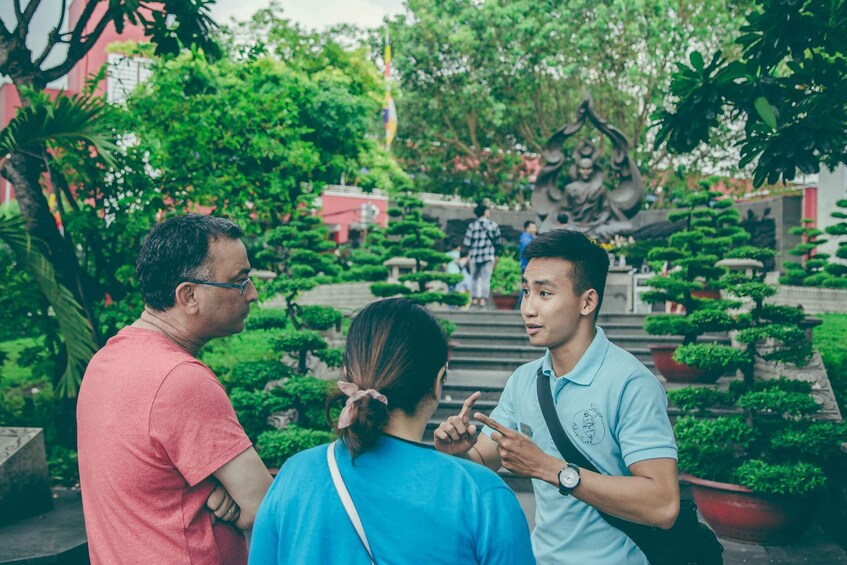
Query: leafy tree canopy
x: 483, y: 83
x: 788, y: 84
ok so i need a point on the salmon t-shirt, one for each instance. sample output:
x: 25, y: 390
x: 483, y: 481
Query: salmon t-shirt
x: 153, y: 424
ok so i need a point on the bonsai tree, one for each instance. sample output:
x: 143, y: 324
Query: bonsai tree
x: 303, y: 255
x: 409, y: 235
x: 838, y: 271
x: 814, y: 268
x: 773, y: 434
x: 809, y: 271
x: 281, y: 405
x: 771, y: 438
x: 689, y: 260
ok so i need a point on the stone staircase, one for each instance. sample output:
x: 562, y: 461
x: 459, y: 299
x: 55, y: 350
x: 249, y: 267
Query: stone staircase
x: 489, y: 345
x: 347, y: 297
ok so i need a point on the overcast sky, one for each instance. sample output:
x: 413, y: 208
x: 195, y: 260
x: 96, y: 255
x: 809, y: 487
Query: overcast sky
x: 311, y: 14
x: 314, y: 14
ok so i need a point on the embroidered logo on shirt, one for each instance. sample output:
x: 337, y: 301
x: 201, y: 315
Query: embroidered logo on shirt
x: 588, y: 425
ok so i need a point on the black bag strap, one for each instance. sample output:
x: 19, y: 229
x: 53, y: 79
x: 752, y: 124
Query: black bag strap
x: 574, y: 455
x: 560, y: 438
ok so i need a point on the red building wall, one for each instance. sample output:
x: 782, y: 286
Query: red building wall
x: 341, y: 209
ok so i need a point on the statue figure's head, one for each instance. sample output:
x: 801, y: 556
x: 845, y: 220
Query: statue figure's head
x: 584, y: 168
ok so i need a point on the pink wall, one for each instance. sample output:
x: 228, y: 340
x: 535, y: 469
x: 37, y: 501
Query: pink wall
x: 96, y: 57
x: 342, y: 209
x: 810, y: 205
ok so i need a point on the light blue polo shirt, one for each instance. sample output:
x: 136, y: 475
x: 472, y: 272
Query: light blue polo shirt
x: 614, y: 410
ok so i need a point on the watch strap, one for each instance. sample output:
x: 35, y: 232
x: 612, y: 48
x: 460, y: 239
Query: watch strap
x: 563, y: 490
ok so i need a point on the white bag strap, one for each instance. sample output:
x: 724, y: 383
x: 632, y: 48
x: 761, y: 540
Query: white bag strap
x: 346, y: 500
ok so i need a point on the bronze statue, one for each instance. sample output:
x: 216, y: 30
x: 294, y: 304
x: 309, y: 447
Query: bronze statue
x: 586, y: 204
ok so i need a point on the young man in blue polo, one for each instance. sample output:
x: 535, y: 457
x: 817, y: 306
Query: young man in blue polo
x: 612, y: 408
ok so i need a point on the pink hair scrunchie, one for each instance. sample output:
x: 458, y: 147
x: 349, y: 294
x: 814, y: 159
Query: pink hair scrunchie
x: 355, y: 393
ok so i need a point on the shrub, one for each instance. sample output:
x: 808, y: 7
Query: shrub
x: 409, y: 235
x: 277, y: 446
x: 773, y: 478
x: 254, y: 375
x: 506, y: 277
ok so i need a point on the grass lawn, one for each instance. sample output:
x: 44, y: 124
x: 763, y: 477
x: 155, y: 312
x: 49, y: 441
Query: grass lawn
x: 830, y: 339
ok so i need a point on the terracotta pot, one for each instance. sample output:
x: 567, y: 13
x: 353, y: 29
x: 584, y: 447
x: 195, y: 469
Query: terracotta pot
x: 677, y: 372
x: 505, y: 301
x: 736, y: 512
x: 712, y: 293
x: 677, y: 308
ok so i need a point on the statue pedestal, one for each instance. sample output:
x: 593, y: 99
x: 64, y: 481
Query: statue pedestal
x: 24, y: 481
x: 619, y: 289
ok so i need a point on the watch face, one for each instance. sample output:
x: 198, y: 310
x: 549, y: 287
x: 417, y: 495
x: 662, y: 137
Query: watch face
x: 569, y: 477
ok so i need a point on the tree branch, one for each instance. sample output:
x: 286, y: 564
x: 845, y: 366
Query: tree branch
x: 78, y: 48
x: 53, y: 37
x: 30, y: 11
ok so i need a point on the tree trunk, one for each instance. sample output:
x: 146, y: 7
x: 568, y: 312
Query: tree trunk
x: 24, y: 172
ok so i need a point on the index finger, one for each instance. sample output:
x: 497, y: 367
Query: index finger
x: 464, y: 413
x: 493, y: 424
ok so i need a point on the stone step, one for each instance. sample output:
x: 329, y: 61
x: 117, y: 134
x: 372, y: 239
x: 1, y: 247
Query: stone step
x: 486, y: 316
x: 516, y: 327
x: 520, y: 353
x: 481, y: 361
x: 464, y: 337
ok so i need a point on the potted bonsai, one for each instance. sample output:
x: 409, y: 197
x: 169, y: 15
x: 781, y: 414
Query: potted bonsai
x: 506, y: 283
x: 690, y: 279
x: 754, y: 453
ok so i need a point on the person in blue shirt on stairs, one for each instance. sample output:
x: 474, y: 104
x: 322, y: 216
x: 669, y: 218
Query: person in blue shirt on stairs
x: 378, y: 495
x: 612, y: 409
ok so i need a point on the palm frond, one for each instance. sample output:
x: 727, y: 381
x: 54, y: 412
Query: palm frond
x: 75, y: 327
x: 60, y: 123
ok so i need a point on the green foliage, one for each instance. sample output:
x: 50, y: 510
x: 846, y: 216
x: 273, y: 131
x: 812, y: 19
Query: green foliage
x: 698, y: 398
x: 75, y: 328
x: 506, y: 277
x: 267, y: 319
x: 816, y: 441
x: 779, y: 402
x: 410, y: 236
x: 710, y: 232
x: 277, y: 446
x: 448, y: 326
x: 712, y: 449
x: 63, y: 466
x: 320, y: 318
x: 829, y: 339
x: 785, y: 85
x: 254, y: 375
x: 386, y: 290
x: 711, y: 357
x: 769, y: 478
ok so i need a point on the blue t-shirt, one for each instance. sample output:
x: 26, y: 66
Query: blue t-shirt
x: 416, y: 505
x: 526, y: 239
x: 614, y: 411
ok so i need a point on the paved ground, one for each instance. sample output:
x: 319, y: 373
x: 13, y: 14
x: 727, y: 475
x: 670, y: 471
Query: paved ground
x: 814, y: 548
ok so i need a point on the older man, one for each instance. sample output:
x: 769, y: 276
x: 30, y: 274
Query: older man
x: 167, y: 472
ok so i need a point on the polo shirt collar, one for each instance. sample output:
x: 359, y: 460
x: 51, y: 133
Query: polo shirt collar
x: 587, y: 367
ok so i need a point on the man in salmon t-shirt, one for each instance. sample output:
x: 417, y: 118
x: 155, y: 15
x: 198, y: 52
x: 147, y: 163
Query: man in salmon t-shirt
x: 167, y: 472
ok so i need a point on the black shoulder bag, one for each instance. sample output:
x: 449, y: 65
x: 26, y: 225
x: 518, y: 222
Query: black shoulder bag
x: 688, y: 542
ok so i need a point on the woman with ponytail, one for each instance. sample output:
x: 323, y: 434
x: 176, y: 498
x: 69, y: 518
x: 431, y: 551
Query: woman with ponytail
x: 379, y: 495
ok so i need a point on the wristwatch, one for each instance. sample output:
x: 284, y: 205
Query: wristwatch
x: 568, y: 479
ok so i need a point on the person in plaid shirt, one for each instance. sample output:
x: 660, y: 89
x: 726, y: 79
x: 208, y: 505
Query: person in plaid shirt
x: 482, y: 240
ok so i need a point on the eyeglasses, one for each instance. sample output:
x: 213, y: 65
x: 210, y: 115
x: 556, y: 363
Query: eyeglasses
x: 242, y: 286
